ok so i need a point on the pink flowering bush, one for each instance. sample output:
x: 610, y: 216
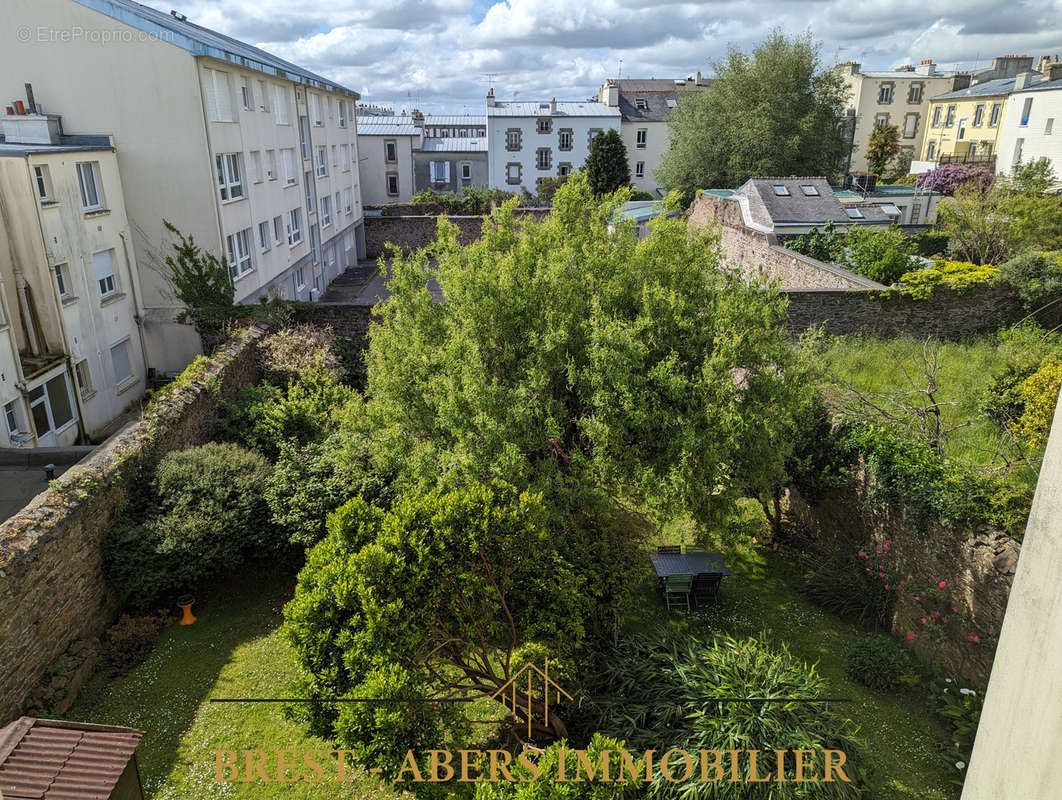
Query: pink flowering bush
x: 946, y: 178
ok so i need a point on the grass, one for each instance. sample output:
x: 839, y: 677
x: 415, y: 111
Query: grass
x: 233, y: 650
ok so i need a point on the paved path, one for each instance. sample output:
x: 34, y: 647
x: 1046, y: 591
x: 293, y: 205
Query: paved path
x: 19, y: 485
x: 352, y: 288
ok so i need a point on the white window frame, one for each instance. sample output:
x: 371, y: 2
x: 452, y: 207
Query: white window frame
x: 282, y: 104
x: 88, y: 177
x: 322, y: 162
x: 62, y: 280
x: 265, y: 240
x: 278, y: 229
x: 294, y: 227
x: 238, y: 249
x: 641, y: 137
x: 326, y: 211
x: 348, y: 201
x: 256, y: 162
x: 639, y: 169
x: 120, y: 382
x: 219, y: 96
x: 230, y: 176
x: 42, y: 179
x: 106, y: 283
x: 287, y: 156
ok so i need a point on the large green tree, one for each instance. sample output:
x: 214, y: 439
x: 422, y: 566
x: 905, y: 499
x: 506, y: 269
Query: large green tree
x: 606, y: 166
x: 883, y: 147
x: 771, y: 112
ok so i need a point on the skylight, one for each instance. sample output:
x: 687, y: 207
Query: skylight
x: 781, y: 190
x: 809, y: 190
x: 854, y: 213
x: 671, y: 102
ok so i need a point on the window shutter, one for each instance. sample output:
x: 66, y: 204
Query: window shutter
x: 223, y: 92
x: 211, y: 94
x: 446, y: 171
x: 103, y: 265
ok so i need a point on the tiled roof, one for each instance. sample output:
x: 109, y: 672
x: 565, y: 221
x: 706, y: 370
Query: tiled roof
x: 543, y: 109
x: 202, y: 41
x: 454, y: 144
x: 992, y: 88
x: 62, y: 760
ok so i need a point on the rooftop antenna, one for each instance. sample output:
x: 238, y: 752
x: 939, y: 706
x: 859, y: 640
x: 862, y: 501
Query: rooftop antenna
x: 490, y: 76
x: 620, y: 69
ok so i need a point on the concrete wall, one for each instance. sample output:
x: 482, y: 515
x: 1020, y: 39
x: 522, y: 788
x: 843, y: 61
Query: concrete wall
x: 53, y: 590
x: 1036, y: 141
x: 1018, y: 750
x: 374, y: 168
x: 422, y: 174
x: 656, y: 138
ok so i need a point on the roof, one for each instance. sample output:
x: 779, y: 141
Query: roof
x: 200, y: 41
x: 800, y: 208
x: 644, y: 210
x: 1042, y: 86
x: 57, y: 760
x: 454, y: 144
x: 992, y: 88
x: 371, y: 127
x: 455, y: 119
x: 588, y: 108
x: 69, y: 144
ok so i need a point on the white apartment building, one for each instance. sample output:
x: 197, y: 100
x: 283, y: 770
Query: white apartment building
x: 528, y: 141
x: 71, y: 353
x: 385, y: 158
x: 253, y: 156
x: 1032, y: 124
x: 645, y: 106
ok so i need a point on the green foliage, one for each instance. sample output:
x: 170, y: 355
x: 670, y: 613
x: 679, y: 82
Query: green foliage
x: 1039, y: 398
x: 931, y: 243
x: 825, y: 245
x: 882, y: 147
x: 203, y: 512
x: 473, y: 200
x: 200, y: 279
x: 544, y: 784
x: 288, y: 352
x: 1038, y: 278
x: 877, y: 661
x: 771, y: 112
x: 652, y: 690
x: 350, y: 351
x: 960, y: 708
x: 841, y: 583
x: 547, y: 187
x: 606, y: 166
x: 641, y: 194
x: 990, y: 226
x: 960, y: 276
x: 1033, y: 177
x: 881, y: 255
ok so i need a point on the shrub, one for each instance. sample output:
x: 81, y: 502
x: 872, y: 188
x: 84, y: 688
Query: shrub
x: 349, y: 352
x: 946, y: 178
x: 641, y: 194
x: 960, y: 708
x: 1039, y: 395
x: 960, y: 276
x: 472, y: 200
x: 931, y: 243
x: 876, y: 661
x: 204, y: 512
x: 825, y: 245
x: 129, y: 642
x: 287, y: 353
x: 881, y: 255
x: 843, y: 586
x: 652, y: 690
x: 1038, y: 278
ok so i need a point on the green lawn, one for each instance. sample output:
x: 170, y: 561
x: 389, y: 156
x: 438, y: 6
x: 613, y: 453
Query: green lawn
x: 234, y: 650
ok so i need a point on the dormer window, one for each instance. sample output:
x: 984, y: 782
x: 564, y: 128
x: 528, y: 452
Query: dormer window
x: 781, y: 190
x: 809, y: 190
x: 641, y: 103
x: 854, y: 213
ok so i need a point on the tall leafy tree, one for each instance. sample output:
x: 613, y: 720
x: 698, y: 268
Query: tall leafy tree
x: 771, y: 112
x: 606, y: 166
x: 200, y: 279
x: 883, y: 147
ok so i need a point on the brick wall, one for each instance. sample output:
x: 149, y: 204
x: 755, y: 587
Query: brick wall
x: 412, y: 231
x: 53, y: 591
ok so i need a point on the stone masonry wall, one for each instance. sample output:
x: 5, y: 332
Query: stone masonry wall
x: 977, y: 567
x: 53, y: 591
x: 412, y: 231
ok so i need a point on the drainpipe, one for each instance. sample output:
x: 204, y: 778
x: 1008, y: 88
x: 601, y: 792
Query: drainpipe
x: 138, y: 304
x: 20, y: 284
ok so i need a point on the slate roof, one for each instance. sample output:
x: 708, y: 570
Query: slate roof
x: 202, y: 41
x: 992, y: 88
x: 1042, y: 86
x: 542, y: 109
x: 455, y: 120
x: 57, y: 760
x: 454, y: 144
x: 656, y: 92
x: 799, y: 208
x: 371, y: 127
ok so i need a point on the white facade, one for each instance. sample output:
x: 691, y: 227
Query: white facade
x: 385, y: 147
x: 1032, y: 128
x: 527, y: 141
x: 176, y: 97
x: 71, y: 352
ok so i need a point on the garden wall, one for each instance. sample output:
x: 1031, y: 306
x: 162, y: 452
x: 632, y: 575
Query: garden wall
x: 977, y: 567
x: 53, y: 591
x: 413, y: 230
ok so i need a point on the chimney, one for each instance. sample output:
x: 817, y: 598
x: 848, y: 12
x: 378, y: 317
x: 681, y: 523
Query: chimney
x: 1023, y: 79
x: 1008, y: 66
x: 1053, y: 71
x: 490, y: 97
x: 609, y: 94
x: 848, y: 67
x: 960, y: 80
x: 926, y: 67
x: 553, y: 106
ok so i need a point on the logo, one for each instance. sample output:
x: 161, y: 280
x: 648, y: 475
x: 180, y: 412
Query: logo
x: 509, y: 694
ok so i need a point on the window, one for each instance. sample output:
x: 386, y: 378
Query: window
x: 326, y: 211
x: 931, y: 151
x: 239, y: 246
x: 1049, y: 125
x: 43, y: 180
x: 809, y: 190
x: 640, y: 138
x: 256, y: 162
x: 593, y: 132
x: 1019, y: 145
x: 11, y: 416
x: 304, y: 137
x: 271, y: 164
x: 936, y: 116
x: 335, y: 156
x: 544, y: 125
x: 543, y: 158
x: 288, y: 155
x: 881, y: 120
x: 513, y: 140
x: 61, y: 277
x: 1026, y: 110
x: 278, y: 229
x: 949, y: 120
x: 263, y: 96
x: 246, y: 96
x: 230, y: 183
x: 315, y: 109
x: 641, y: 103
x: 282, y: 95
x: 84, y: 378
x: 391, y: 151
x: 294, y: 227
x: 88, y: 176
x: 564, y: 139
x: 513, y: 174
x: 342, y: 113
x: 311, y: 193
x: 781, y: 190
x: 348, y: 205
x: 51, y: 406
x: 993, y: 118
x: 315, y: 244
x: 392, y: 184
x: 265, y: 241
x: 914, y: 94
x: 322, y: 162
x: 219, y: 95
x: 639, y: 169
x: 103, y: 263
x: 979, y: 115
x: 885, y: 93
x: 439, y: 171
x: 854, y: 213
x: 961, y: 133
x: 466, y: 169
x: 344, y: 157
x: 300, y: 278
x: 123, y: 367
x: 910, y: 126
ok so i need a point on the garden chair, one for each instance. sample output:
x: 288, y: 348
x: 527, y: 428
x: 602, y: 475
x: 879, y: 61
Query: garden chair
x: 677, y: 590
x: 706, y: 589
x: 669, y: 548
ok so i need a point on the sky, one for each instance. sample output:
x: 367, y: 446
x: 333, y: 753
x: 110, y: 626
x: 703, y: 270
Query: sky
x: 441, y: 55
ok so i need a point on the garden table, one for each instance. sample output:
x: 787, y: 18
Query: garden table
x: 688, y: 563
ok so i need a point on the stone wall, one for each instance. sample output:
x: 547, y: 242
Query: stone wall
x: 947, y: 314
x: 343, y: 318
x: 977, y: 567
x: 411, y: 231
x: 759, y: 255
x: 53, y: 591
